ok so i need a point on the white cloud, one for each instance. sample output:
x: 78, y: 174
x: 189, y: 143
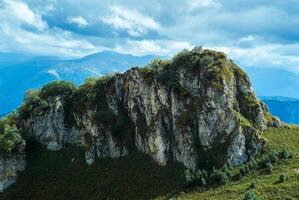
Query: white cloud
x: 80, y: 21
x: 194, y: 4
x: 51, y: 43
x: 23, y: 14
x: 267, y: 55
x: 132, y: 21
x: 156, y: 47
x: 247, y: 38
x: 41, y: 41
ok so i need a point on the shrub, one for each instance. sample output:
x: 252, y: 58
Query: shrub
x: 269, y: 167
x: 253, y: 184
x: 250, y: 196
x: 252, y: 165
x: 201, y: 178
x: 218, y: 177
x: 284, y: 154
x: 264, y: 161
x: 9, y: 137
x: 244, y: 169
x: 33, y: 104
x: 190, y: 178
x: 273, y: 157
x: 227, y: 171
x: 282, y: 178
x: 238, y: 176
x: 57, y: 88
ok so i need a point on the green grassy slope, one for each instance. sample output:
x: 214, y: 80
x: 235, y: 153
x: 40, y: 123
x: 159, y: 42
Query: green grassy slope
x: 64, y: 175
x: 267, y: 186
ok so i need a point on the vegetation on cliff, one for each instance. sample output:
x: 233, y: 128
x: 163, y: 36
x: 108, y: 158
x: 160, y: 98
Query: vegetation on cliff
x: 10, y: 136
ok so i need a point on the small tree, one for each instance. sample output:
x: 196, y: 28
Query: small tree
x: 219, y: 177
x: 189, y: 178
x: 253, y: 164
x: 57, y: 88
x: 284, y: 154
x: 243, y: 170
x: 253, y: 184
x: 250, y: 196
x: 269, y: 167
x: 273, y: 157
x: 227, y: 171
x: 9, y: 137
x: 282, y: 178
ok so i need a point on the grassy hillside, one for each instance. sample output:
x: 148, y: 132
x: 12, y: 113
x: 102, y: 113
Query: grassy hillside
x: 267, y: 185
x: 64, y: 175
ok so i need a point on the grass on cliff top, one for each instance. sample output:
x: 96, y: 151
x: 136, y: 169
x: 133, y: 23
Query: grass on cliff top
x: 267, y: 186
x: 64, y: 175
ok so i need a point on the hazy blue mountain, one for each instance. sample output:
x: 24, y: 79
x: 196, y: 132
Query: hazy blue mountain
x: 287, y: 111
x: 20, y: 72
x: 12, y: 58
x: 274, y: 82
x: 279, y: 89
x: 277, y: 98
x: 96, y: 65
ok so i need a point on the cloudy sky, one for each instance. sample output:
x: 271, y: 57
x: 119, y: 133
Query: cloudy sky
x: 253, y: 32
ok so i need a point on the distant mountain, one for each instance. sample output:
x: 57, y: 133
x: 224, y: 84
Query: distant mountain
x: 96, y: 65
x: 277, y: 98
x: 287, y: 111
x: 279, y: 89
x: 20, y: 72
x: 12, y: 58
x: 274, y: 82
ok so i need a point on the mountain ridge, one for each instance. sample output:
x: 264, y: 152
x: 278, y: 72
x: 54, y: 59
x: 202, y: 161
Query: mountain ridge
x: 33, y: 72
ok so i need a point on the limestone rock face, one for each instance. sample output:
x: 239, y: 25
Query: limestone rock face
x: 10, y: 165
x: 50, y: 128
x: 200, y: 106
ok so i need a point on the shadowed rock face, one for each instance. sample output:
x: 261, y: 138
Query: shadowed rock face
x: 10, y: 165
x: 197, y: 108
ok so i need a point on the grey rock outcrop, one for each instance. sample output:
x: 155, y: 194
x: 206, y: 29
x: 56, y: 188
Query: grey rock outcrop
x: 198, y: 106
x: 11, y: 164
x: 50, y: 129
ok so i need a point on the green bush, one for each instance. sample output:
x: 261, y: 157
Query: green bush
x: 284, y: 154
x: 262, y: 163
x: 252, y: 164
x: 269, y: 167
x: 57, y: 88
x: 218, y: 177
x: 253, y: 185
x: 33, y: 104
x: 203, y: 178
x: 190, y: 178
x: 282, y: 178
x: 244, y: 169
x: 273, y: 157
x: 250, y: 196
x: 9, y: 137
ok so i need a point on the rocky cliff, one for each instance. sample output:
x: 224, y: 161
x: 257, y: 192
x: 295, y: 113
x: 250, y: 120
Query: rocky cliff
x: 198, y: 109
x: 11, y: 164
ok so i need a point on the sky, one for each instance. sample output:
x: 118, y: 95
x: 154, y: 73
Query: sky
x: 255, y: 33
